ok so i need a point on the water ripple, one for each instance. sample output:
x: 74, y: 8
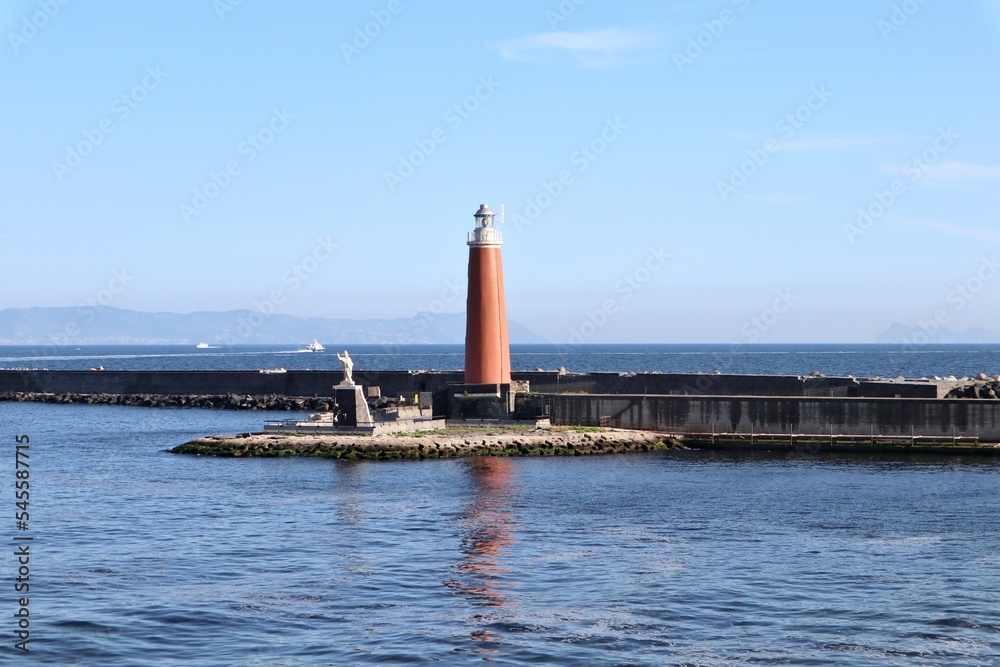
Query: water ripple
x: 679, y: 559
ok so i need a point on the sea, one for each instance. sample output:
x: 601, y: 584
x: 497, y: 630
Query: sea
x: 833, y: 360
x: 124, y: 554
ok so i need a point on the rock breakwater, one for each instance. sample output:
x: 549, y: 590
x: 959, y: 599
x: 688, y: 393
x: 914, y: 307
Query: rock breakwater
x: 982, y: 386
x: 449, y: 443
x: 210, y: 401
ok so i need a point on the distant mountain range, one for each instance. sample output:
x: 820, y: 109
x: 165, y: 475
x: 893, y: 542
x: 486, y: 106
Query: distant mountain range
x: 117, y: 326
x: 902, y: 334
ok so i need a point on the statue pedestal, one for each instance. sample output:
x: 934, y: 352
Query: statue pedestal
x: 352, y: 403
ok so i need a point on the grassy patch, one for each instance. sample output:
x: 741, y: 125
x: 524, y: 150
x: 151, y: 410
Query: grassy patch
x: 478, y: 430
x: 581, y: 429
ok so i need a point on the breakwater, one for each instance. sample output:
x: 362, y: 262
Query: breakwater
x: 678, y: 404
x: 791, y: 415
x: 450, y: 443
x: 401, y: 383
x: 207, y: 401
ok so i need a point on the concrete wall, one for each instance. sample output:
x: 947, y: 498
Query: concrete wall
x: 799, y: 410
x: 722, y: 385
x: 292, y: 383
x: 847, y: 416
x: 394, y: 383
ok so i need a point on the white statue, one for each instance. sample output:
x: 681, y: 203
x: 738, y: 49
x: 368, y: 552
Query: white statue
x: 348, y: 367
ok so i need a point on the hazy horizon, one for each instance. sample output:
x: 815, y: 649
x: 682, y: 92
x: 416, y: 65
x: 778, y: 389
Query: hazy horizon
x: 66, y: 326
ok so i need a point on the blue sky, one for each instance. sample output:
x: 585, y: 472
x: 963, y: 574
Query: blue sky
x: 734, y: 171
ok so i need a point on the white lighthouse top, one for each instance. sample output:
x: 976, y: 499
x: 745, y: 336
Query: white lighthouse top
x: 485, y: 234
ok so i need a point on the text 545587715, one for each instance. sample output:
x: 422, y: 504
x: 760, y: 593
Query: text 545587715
x: 22, y: 540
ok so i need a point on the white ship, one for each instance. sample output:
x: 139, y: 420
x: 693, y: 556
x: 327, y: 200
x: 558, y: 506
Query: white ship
x: 202, y: 346
x: 315, y: 346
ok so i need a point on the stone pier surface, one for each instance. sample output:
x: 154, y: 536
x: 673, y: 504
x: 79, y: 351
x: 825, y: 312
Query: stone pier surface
x: 447, y: 443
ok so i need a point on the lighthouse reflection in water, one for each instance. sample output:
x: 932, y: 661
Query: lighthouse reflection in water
x: 486, y: 535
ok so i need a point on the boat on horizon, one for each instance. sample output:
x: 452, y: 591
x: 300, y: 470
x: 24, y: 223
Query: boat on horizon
x: 202, y: 346
x: 315, y: 346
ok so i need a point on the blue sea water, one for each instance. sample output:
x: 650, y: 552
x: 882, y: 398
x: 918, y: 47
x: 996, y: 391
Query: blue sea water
x: 141, y: 557
x: 832, y: 360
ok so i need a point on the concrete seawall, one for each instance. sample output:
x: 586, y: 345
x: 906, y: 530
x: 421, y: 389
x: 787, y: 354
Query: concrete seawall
x: 780, y: 415
x: 291, y: 383
x: 395, y: 383
x: 666, y: 403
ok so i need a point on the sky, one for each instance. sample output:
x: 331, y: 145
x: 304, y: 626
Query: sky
x: 728, y: 171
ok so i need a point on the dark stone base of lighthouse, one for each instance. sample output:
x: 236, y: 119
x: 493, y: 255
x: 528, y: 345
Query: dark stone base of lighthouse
x: 478, y: 401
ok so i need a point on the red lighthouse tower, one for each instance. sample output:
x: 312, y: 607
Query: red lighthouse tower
x: 487, y: 347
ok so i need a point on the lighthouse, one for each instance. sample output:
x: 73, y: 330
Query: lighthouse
x: 487, y: 347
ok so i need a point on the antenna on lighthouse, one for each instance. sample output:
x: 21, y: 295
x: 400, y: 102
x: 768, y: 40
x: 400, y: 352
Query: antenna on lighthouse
x: 501, y: 214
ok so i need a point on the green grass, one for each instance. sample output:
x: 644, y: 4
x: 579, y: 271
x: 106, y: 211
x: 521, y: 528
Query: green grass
x: 463, y: 430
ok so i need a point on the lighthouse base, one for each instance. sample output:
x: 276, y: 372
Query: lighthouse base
x: 478, y: 401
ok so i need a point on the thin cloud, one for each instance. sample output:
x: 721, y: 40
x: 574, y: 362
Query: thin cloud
x: 793, y: 201
x: 597, y: 49
x: 827, y: 145
x: 946, y: 172
x: 948, y: 228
